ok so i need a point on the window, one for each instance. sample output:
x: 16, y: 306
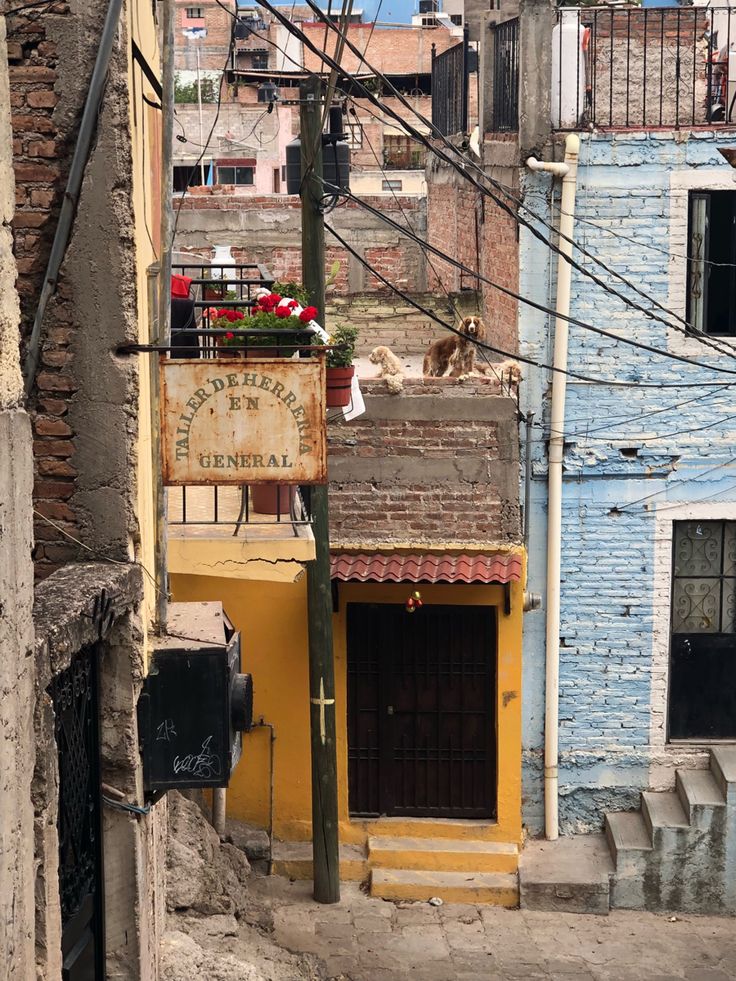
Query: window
x: 194, y: 13
x: 184, y: 172
x: 259, y: 60
x: 391, y: 185
x: 456, y: 19
x: 403, y: 153
x: 354, y: 133
x: 235, y: 175
x: 711, y: 276
x: 702, y: 690
x: 276, y: 180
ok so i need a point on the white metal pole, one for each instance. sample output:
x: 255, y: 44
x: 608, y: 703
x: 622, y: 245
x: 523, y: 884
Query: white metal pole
x: 568, y: 171
x: 201, y: 125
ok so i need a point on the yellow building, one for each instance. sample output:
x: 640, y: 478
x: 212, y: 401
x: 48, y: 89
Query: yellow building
x: 428, y: 693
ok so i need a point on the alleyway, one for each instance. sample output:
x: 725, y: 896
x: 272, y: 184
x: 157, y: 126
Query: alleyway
x: 363, y: 939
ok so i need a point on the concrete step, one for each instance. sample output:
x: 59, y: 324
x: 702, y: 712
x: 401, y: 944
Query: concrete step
x: 663, y: 811
x: 293, y: 859
x: 723, y: 767
x: 442, y: 855
x: 627, y: 835
x: 699, y: 793
x: 570, y: 875
x: 493, y: 888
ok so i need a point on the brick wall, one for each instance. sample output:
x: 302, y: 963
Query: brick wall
x: 437, y: 464
x: 472, y: 229
x: 40, y: 153
x: 268, y: 230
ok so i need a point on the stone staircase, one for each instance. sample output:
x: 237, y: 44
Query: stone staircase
x: 413, y: 868
x: 678, y: 853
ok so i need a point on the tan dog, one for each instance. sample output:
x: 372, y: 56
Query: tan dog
x: 390, y: 368
x: 455, y: 354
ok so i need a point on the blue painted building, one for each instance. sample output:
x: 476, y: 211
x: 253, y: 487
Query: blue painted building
x: 638, y: 460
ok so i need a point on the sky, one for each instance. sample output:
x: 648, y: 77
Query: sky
x: 397, y: 11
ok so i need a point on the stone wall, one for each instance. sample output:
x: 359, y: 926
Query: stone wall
x: 636, y: 459
x: 268, y: 230
x: 390, y: 321
x: 437, y: 463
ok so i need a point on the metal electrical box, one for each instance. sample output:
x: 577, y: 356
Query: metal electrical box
x: 195, y: 702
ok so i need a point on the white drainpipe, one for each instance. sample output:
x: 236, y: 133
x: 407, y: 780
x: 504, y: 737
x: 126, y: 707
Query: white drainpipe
x: 568, y: 172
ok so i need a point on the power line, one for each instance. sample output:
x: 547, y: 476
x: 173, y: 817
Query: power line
x: 193, y: 171
x: 533, y: 303
x: 407, y: 219
x: 497, y: 350
x: 688, y: 480
x: 586, y: 437
x: 688, y: 329
x: 646, y: 245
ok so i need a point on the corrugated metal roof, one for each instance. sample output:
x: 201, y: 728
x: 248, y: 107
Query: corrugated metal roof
x: 418, y: 567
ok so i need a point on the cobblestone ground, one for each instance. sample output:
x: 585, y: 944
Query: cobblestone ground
x: 364, y: 939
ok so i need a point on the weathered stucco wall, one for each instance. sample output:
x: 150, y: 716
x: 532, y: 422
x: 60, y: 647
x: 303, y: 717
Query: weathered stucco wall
x: 16, y: 598
x: 672, y: 447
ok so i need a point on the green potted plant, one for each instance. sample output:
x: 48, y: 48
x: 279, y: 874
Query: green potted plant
x: 340, y: 368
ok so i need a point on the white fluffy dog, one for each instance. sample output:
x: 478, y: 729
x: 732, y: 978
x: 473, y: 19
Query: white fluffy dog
x: 390, y: 368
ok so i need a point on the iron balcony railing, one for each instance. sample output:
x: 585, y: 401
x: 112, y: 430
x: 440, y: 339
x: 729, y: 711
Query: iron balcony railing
x: 282, y: 509
x: 450, y: 72
x: 506, y: 76
x: 219, y: 509
x: 640, y: 68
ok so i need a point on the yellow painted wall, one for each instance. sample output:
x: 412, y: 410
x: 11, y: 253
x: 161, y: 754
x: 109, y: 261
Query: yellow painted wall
x: 145, y: 129
x: 273, y: 620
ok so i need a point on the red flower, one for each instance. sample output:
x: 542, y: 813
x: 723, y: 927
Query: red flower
x: 275, y: 298
x: 307, y: 314
x: 283, y: 312
x: 229, y: 336
x: 222, y: 313
x: 293, y: 303
x: 233, y: 315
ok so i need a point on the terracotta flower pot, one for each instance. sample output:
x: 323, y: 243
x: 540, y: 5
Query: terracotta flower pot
x: 273, y: 498
x: 339, y: 381
x: 260, y: 352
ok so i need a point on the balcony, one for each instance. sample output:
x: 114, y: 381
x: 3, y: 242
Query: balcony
x: 244, y: 531
x: 644, y: 68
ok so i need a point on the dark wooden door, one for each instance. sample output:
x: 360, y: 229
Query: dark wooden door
x: 74, y: 695
x: 421, y: 720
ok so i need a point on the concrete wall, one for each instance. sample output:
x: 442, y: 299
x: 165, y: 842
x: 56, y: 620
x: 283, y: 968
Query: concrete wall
x: 622, y: 445
x: 16, y: 596
x: 438, y: 463
x: 268, y: 231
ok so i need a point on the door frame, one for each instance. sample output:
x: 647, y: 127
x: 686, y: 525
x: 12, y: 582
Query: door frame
x: 386, y: 719
x: 665, y: 753
x: 507, y: 826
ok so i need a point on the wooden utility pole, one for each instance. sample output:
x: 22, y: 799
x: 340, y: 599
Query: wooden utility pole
x: 325, y: 845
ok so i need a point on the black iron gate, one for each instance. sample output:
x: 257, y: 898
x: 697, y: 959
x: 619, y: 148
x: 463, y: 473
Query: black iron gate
x: 506, y: 76
x: 421, y: 719
x: 74, y: 695
x: 450, y: 76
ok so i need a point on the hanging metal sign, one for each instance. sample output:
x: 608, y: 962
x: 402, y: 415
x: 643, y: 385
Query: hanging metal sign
x: 243, y: 422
